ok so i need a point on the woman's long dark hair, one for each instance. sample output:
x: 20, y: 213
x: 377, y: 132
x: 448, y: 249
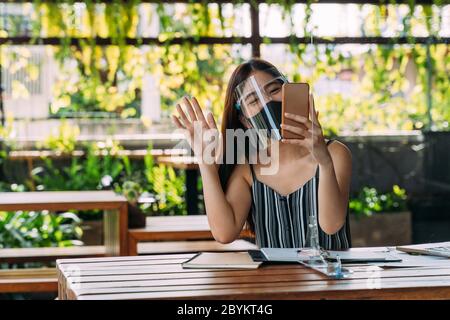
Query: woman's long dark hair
x: 231, y: 115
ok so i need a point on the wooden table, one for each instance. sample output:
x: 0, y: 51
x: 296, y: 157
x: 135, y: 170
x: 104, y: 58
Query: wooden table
x: 172, y: 228
x: 115, y: 206
x: 162, y: 277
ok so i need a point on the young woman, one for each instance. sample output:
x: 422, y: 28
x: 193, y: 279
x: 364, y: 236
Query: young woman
x: 313, y: 174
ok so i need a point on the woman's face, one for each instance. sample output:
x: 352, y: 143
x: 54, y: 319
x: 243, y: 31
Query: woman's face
x: 270, y: 90
x: 271, y: 85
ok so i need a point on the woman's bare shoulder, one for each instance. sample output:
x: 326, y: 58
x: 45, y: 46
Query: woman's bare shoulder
x: 339, y: 149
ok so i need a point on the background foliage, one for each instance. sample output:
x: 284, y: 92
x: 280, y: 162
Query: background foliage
x: 370, y: 201
x: 106, y: 80
x: 39, y: 229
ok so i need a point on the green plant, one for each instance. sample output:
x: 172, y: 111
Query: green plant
x: 85, y: 173
x: 169, y: 188
x: 64, y: 141
x: 370, y: 201
x: 167, y: 185
x: 100, y: 163
x: 131, y: 190
x: 23, y: 229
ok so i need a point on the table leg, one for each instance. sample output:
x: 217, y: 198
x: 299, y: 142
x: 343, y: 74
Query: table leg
x: 132, y: 246
x: 61, y: 285
x: 192, y: 192
x: 116, y: 229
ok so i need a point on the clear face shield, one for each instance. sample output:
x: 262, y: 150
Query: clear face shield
x: 259, y: 101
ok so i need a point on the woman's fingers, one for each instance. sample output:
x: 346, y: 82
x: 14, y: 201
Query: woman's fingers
x: 178, y: 122
x: 211, y: 121
x: 198, y: 110
x: 313, y: 112
x: 311, y: 128
x: 296, y: 130
x: 300, y: 119
x: 184, y: 119
x: 298, y: 142
x: 190, y: 109
x: 195, y: 114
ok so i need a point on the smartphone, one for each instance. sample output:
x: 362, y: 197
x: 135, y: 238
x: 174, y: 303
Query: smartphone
x: 295, y: 100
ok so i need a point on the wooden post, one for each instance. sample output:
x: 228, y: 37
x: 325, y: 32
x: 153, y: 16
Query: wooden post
x: 429, y: 98
x: 132, y: 245
x: 116, y: 229
x: 30, y: 169
x: 255, y: 37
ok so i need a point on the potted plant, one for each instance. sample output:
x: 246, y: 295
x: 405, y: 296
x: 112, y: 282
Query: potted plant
x: 380, y: 219
x: 132, y: 191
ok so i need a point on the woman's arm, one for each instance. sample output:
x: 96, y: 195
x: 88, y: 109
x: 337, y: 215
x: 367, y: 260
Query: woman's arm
x: 334, y: 186
x: 228, y: 211
x: 335, y: 167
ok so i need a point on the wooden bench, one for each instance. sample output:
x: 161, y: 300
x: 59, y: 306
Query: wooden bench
x: 38, y: 279
x: 181, y: 229
x: 115, y: 207
x: 115, y: 235
x: 28, y: 280
x: 21, y: 255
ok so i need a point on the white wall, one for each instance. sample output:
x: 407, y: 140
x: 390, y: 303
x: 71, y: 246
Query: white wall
x: 36, y: 105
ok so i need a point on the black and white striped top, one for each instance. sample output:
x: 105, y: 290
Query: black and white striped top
x: 281, y: 221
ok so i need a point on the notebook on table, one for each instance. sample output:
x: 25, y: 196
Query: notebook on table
x: 221, y: 260
x: 440, y: 249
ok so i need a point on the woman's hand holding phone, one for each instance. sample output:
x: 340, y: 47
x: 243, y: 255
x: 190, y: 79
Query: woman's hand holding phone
x: 311, y: 133
x: 195, y: 125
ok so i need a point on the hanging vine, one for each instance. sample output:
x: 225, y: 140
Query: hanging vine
x: 109, y: 77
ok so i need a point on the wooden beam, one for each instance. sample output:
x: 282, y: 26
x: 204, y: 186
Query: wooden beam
x: 232, y: 40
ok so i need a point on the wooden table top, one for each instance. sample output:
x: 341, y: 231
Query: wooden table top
x: 162, y: 277
x: 60, y: 200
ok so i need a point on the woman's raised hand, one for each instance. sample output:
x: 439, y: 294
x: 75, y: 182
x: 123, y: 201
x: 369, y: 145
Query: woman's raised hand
x: 311, y: 133
x: 199, y: 130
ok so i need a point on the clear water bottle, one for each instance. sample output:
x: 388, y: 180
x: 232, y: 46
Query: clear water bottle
x: 312, y: 239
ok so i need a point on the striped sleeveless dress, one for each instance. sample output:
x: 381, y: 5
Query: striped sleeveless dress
x: 281, y: 221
